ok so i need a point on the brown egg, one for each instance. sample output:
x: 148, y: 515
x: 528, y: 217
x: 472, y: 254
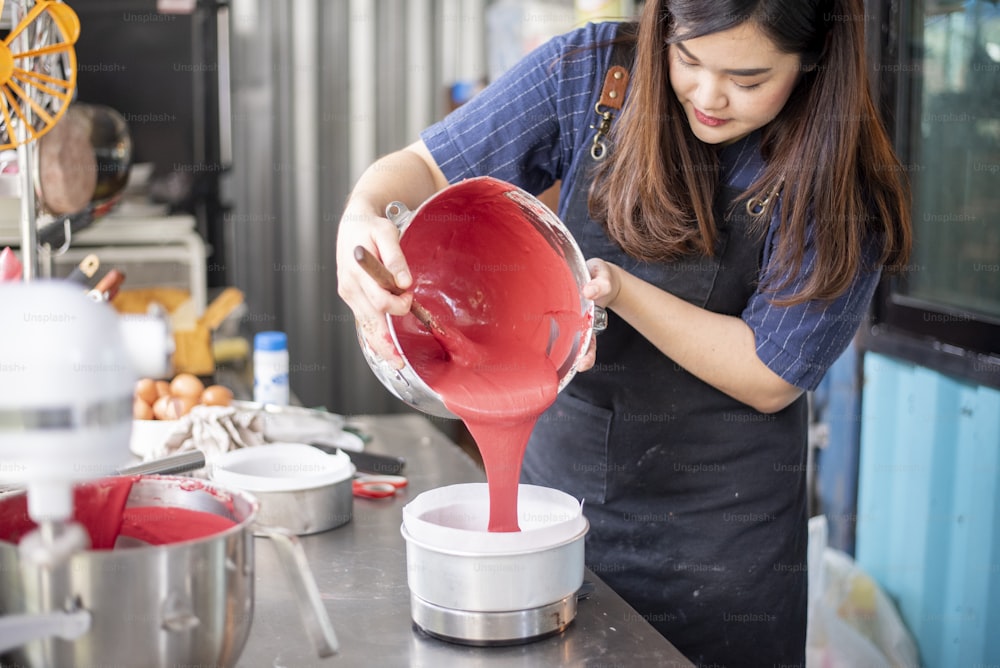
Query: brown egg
x: 145, y: 389
x: 187, y: 385
x: 217, y: 395
x: 162, y: 388
x: 141, y: 410
x: 178, y: 407
x: 160, y: 407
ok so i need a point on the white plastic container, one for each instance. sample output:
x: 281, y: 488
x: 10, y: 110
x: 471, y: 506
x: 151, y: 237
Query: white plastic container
x: 270, y: 368
x: 300, y: 488
x: 453, y: 561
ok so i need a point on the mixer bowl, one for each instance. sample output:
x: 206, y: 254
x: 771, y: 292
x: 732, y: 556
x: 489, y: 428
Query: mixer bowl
x: 186, y: 603
x: 471, y: 207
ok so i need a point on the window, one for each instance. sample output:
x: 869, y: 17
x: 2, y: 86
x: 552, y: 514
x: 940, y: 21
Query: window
x: 941, y: 83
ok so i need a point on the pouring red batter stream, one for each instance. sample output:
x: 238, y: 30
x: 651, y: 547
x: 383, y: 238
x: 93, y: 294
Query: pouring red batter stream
x: 100, y: 507
x: 482, y: 269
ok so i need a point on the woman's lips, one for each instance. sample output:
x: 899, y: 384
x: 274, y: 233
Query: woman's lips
x: 710, y: 121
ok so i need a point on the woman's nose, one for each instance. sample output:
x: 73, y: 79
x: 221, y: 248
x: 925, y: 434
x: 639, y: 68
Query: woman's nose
x: 709, y: 95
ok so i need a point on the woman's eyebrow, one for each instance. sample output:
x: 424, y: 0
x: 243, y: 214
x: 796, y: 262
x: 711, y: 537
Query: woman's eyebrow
x: 738, y: 73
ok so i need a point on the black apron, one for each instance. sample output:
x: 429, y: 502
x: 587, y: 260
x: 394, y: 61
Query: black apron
x: 696, y: 502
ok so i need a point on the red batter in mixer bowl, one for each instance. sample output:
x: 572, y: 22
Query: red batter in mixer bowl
x: 494, y: 264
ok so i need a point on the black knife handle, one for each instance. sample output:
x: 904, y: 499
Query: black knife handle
x: 367, y: 462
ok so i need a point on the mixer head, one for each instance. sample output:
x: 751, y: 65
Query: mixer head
x: 66, y: 387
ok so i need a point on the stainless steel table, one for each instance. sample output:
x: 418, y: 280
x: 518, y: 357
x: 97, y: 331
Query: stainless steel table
x: 360, y: 568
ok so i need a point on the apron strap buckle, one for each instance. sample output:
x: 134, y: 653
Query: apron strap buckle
x: 612, y: 99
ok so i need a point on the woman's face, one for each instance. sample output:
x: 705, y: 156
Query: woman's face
x: 732, y: 82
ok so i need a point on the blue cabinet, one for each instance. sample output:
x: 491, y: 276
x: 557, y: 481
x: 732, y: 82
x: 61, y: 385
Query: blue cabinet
x: 928, y: 524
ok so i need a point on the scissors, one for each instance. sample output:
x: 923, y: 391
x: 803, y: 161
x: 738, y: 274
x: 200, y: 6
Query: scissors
x: 378, y: 486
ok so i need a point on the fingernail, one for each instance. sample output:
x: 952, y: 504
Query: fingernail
x: 403, y: 278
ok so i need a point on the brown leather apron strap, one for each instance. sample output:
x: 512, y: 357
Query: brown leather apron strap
x: 615, y: 83
x: 612, y: 98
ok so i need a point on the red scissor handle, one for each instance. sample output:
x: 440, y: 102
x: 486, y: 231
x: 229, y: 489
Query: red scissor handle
x: 378, y: 486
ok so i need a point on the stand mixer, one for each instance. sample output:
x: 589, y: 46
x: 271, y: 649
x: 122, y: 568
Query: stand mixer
x: 68, y: 363
x: 65, y: 418
x: 65, y: 410
x: 68, y: 367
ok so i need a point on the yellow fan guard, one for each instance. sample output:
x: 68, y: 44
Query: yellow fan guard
x: 19, y: 106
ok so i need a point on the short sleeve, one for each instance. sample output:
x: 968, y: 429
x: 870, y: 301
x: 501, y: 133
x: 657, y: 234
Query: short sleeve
x: 523, y: 127
x: 801, y: 342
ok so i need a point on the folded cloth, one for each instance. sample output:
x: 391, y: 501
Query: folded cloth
x: 214, y: 430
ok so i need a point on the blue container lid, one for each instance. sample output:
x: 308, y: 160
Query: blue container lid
x: 270, y: 341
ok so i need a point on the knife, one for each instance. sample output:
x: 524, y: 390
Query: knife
x: 84, y: 272
x: 107, y: 287
x: 367, y: 462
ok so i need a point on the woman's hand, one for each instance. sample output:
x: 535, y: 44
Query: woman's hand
x: 604, y: 284
x: 602, y: 288
x: 370, y: 303
x: 409, y: 176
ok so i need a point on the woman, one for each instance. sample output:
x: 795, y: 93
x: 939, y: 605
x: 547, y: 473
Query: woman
x: 737, y: 227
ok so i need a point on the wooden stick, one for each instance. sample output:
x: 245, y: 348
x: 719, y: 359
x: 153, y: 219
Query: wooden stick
x: 376, y: 270
x: 386, y: 281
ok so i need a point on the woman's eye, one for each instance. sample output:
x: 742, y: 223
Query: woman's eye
x: 747, y: 86
x: 685, y: 63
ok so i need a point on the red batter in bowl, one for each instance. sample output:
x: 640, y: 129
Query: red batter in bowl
x: 485, y: 271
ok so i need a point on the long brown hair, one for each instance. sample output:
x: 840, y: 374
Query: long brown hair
x: 827, y: 153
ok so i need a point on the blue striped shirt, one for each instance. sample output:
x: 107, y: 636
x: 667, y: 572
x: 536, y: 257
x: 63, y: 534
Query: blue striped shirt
x: 530, y: 126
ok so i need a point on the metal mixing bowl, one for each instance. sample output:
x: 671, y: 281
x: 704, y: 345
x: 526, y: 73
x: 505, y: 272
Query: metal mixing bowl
x: 188, y: 603
x: 489, y: 193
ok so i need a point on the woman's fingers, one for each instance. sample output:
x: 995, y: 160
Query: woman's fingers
x: 369, y: 301
x: 601, y: 288
x: 375, y: 333
x: 388, y: 250
x: 590, y: 357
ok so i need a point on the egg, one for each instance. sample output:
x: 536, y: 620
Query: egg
x: 160, y: 407
x: 188, y: 386
x: 178, y: 407
x: 217, y: 395
x: 141, y: 410
x: 162, y: 400
x: 145, y: 390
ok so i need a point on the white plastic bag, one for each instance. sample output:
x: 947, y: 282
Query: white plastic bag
x: 852, y: 623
